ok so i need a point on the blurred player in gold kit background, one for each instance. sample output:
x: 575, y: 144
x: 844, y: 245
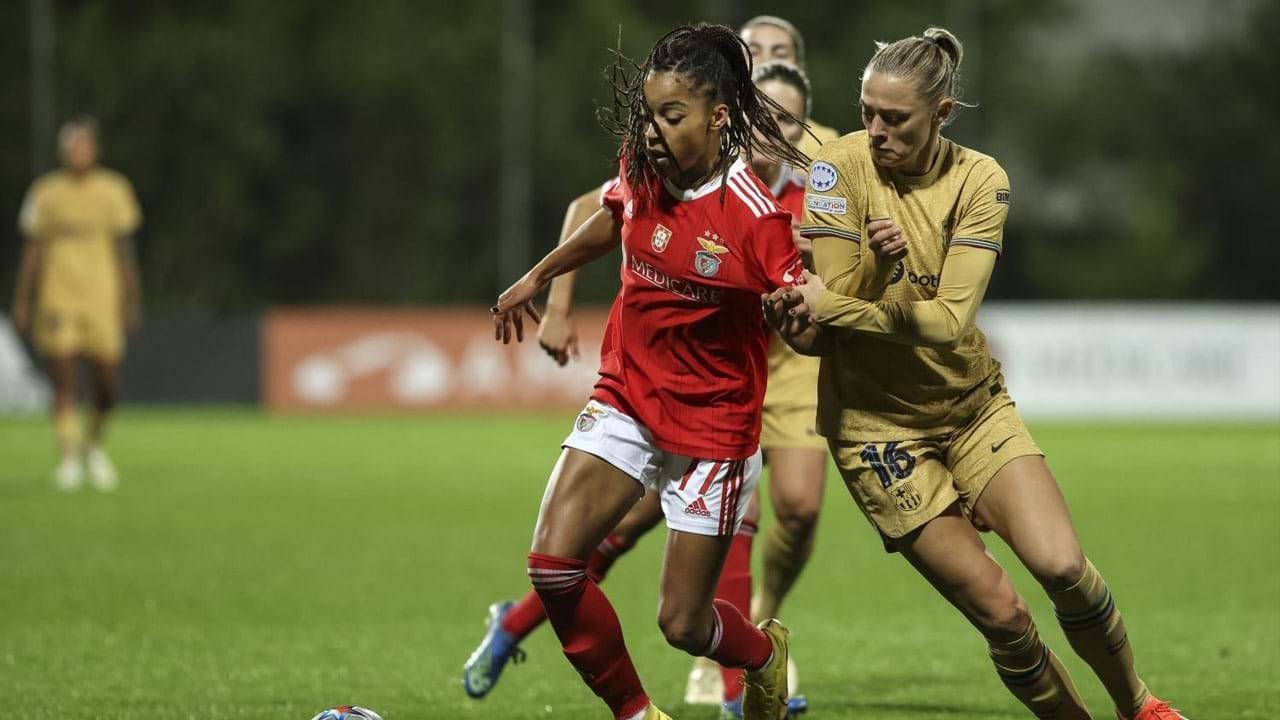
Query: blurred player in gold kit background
x: 78, y: 291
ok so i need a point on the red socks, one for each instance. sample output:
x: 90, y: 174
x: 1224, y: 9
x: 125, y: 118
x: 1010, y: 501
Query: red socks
x: 566, y: 592
x: 527, y: 614
x: 735, y: 642
x: 735, y: 591
x: 589, y: 632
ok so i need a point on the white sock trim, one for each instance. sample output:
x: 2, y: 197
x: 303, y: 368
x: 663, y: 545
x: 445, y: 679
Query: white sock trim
x: 717, y: 632
x: 638, y: 716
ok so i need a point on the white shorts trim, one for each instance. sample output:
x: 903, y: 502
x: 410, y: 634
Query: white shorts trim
x: 700, y: 496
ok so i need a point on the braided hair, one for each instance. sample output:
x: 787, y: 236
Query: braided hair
x: 718, y: 64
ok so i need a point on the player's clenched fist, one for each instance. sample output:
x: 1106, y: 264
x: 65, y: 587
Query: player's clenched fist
x: 886, y: 240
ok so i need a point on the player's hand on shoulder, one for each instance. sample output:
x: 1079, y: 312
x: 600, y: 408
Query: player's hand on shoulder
x: 558, y: 335
x: 885, y: 239
x: 513, y: 304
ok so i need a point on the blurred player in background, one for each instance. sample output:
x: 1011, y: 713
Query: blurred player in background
x: 794, y: 452
x: 771, y: 38
x: 906, y: 228
x: 78, y: 292
x: 683, y: 366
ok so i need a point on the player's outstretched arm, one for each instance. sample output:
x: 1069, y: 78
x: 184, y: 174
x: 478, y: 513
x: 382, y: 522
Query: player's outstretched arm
x: 600, y: 234
x: 558, y: 333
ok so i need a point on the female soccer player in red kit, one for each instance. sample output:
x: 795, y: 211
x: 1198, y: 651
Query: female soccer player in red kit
x: 682, y: 376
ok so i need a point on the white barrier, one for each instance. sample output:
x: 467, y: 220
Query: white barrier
x: 23, y: 390
x: 1139, y: 361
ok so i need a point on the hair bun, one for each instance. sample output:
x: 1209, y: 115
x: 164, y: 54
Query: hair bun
x: 949, y: 43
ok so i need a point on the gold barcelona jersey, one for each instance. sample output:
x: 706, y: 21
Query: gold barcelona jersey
x: 76, y: 220
x: 875, y: 387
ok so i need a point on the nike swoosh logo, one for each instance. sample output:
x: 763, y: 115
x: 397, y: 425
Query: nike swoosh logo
x: 995, y: 447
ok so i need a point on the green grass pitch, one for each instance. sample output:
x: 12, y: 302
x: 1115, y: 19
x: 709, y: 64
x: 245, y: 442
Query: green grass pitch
x: 262, y: 567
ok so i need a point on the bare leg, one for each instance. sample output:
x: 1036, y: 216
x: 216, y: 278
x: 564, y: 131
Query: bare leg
x: 642, y: 518
x: 106, y: 386
x: 949, y: 554
x: 690, y: 573
x: 585, y: 499
x: 797, y: 479
x: 1024, y: 505
x: 709, y: 682
x: 62, y: 371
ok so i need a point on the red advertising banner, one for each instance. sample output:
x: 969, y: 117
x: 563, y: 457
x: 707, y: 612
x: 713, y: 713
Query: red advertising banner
x: 318, y: 359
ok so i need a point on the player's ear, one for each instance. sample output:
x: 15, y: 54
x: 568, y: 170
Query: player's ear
x: 719, y: 116
x: 946, y: 106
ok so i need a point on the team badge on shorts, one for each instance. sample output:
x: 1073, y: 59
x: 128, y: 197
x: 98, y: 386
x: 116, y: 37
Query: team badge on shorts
x: 661, y: 236
x: 587, y: 420
x: 905, y: 496
x: 707, y: 261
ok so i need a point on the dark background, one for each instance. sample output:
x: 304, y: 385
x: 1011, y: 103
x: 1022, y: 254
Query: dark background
x: 388, y: 151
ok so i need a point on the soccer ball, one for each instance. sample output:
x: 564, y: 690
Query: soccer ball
x: 348, y: 712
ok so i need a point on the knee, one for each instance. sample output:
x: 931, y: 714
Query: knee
x: 1001, y: 615
x: 799, y: 515
x: 1062, y: 570
x: 683, y: 630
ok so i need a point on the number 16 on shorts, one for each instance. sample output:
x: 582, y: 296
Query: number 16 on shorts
x: 894, y: 466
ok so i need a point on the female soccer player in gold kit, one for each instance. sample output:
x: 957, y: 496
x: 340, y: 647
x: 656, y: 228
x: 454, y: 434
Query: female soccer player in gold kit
x: 78, y: 290
x: 906, y: 229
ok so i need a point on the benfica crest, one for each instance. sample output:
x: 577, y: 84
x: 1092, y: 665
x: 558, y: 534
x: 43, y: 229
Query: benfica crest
x: 707, y: 260
x: 587, y: 420
x: 661, y: 236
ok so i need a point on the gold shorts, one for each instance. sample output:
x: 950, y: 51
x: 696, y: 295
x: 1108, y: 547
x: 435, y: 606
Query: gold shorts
x: 791, y: 427
x: 790, y: 415
x: 902, y: 485
x: 93, y: 331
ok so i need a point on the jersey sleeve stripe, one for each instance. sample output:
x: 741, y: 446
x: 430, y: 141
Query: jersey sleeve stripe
x: 604, y: 190
x: 760, y: 192
x: 813, y: 231
x: 756, y: 208
x: 976, y: 242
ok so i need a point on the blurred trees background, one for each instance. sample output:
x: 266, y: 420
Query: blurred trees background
x: 308, y: 152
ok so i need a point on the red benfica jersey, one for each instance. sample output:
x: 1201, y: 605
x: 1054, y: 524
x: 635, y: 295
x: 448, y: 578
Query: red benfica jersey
x: 684, y: 348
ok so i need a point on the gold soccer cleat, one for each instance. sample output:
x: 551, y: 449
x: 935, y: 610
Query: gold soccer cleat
x: 765, y: 690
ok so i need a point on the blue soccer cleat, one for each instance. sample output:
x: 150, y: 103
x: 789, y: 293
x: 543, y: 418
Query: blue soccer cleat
x: 796, y: 706
x: 485, y: 665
